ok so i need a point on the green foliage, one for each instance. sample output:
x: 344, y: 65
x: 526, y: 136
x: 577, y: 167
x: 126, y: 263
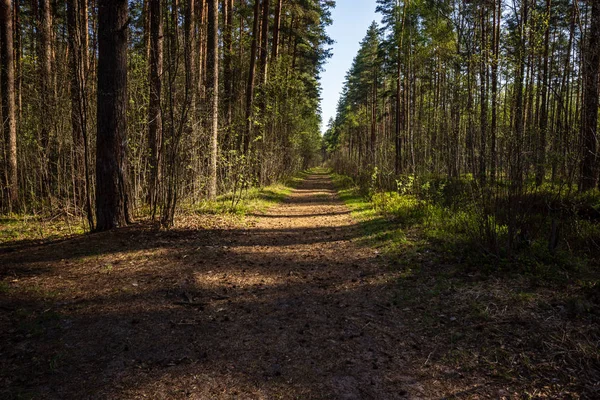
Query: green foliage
x: 249, y: 201
x: 406, y: 209
x: 456, y: 216
x: 28, y: 228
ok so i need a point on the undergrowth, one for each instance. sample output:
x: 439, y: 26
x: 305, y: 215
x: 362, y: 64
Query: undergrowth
x: 252, y: 200
x: 17, y: 227
x: 550, y: 235
x: 21, y: 228
x: 525, y: 320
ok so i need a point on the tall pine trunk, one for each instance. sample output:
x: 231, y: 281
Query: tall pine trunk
x: 47, y: 91
x: 540, y: 171
x: 276, y: 31
x: 155, y: 132
x: 483, y: 99
x: 251, y: 73
x: 589, y: 111
x: 213, y: 92
x: 112, y: 203
x: 77, y: 27
x: 227, y: 61
x: 495, y: 59
x: 9, y: 126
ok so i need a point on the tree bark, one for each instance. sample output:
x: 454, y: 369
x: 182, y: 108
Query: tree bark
x: 540, y: 171
x: 483, y: 99
x: 112, y: 203
x: 264, y: 36
x: 400, y: 115
x: 495, y: 59
x: 213, y: 92
x: 515, y: 162
x: 276, y: 31
x: 9, y: 126
x: 251, y: 73
x: 190, y: 65
x: 18, y: 51
x: 589, y: 111
x: 77, y: 28
x: 46, y: 89
x: 227, y: 61
x: 155, y: 132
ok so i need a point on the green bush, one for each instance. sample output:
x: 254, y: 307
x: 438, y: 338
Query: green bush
x: 406, y: 209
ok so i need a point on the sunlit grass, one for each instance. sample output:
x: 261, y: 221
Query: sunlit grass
x: 16, y: 228
x: 463, y: 230
x: 27, y: 227
x: 250, y: 201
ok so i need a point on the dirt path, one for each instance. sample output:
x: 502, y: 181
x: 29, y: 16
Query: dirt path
x: 290, y: 307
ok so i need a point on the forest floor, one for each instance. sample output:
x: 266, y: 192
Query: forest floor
x: 289, y: 303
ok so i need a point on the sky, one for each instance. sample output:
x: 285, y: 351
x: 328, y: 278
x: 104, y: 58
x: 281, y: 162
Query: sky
x: 351, y: 18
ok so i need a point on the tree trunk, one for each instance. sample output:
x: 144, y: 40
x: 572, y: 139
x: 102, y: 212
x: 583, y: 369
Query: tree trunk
x: 483, y: 100
x: 276, y: 31
x: 78, y: 68
x: 46, y: 88
x: 146, y: 21
x: 190, y: 65
x: 540, y: 171
x: 227, y: 61
x: 213, y: 92
x: 155, y: 133
x: 264, y: 37
x: 112, y: 203
x: 589, y: 111
x: 201, y: 17
x: 495, y: 60
x: 399, y: 103
x: 18, y: 51
x: 251, y: 73
x: 516, y: 165
x: 9, y: 126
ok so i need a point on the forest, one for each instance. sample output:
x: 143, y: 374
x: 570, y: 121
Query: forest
x: 116, y: 108
x: 178, y: 221
x: 480, y: 113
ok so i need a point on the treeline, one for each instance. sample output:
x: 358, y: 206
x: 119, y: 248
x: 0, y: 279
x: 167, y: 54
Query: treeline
x: 501, y: 90
x: 495, y: 101
x: 110, y: 106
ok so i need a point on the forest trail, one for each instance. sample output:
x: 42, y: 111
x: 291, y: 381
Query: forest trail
x: 288, y: 307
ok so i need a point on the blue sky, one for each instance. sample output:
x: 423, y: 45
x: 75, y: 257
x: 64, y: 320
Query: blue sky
x: 351, y: 18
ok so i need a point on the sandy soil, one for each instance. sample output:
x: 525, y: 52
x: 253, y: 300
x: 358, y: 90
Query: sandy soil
x: 289, y: 306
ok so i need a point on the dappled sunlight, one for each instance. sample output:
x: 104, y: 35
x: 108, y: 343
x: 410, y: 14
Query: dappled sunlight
x: 286, y: 305
x: 238, y: 280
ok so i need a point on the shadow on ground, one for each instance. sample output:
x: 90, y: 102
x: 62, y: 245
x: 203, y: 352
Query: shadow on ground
x: 289, y: 308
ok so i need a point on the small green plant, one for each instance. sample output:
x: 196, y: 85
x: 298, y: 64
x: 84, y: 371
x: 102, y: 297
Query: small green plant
x: 4, y: 287
x: 407, y: 209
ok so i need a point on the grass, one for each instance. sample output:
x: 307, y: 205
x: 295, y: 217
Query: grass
x: 526, y: 323
x: 473, y: 227
x: 380, y: 231
x: 17, y: 228
x: 29, y: 227
x: 251, y: 201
